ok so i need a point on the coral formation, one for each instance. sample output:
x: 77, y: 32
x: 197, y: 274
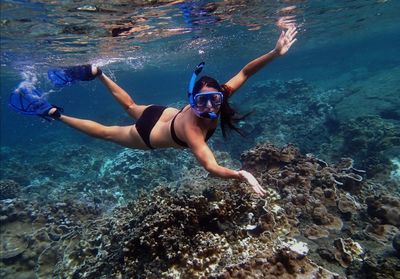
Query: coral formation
x: 396, y: 243
x: 385, y: 208
x: 313, y: 119
x: 381, y: 233
x: 210, y: 228
x: 347, y: 204
x: 33, y: 236
x: 395, y: 173
x: 9, y: 189
x: 12, y: 246
x: 369, y: 139
x: 347, y: 251
x: 314, y: 232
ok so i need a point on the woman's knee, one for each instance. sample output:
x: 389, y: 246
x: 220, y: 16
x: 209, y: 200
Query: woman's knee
x: 122, y: 135
x: 101, y: 132
x: 107, y: 133
x: 117, y: 134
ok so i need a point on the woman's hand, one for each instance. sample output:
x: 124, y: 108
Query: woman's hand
x: 286, y: 22
x: 286, y: 40
x: 249, y: 178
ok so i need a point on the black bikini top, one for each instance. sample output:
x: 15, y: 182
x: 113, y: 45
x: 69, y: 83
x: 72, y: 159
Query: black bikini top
x: 181, y: 142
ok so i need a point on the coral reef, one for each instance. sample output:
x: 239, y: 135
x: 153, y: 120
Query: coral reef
x: 297, y: 114
x: 34, y: 235
x: 9, y: 189
x: 316, y: 220
x: 313, y: 119
x: 144, y: 169
x: 282, y: 264
x: 347, y: 251
x: 370, y: 140
x: 396, y: 243
x: 385, y: 208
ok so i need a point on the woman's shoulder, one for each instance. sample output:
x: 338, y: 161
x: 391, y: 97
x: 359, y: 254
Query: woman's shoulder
x: 185, y: 110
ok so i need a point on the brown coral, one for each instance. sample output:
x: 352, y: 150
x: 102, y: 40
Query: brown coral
x: 385, y: 208
x: 268, y: 156
x: 347, y: 251
x: 315, y: 232
x: 347, y: 204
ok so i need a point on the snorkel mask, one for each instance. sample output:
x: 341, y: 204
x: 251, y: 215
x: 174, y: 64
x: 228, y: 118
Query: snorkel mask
x: 200, y: 101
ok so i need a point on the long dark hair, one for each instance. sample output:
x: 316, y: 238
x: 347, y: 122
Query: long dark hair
x: 227, y: 112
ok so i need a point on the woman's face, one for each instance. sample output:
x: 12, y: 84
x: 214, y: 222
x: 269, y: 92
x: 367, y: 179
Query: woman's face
x: 208, y: 102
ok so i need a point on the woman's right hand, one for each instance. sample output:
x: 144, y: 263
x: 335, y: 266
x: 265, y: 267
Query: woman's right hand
x: 286, y: 40
x: 249, y: 178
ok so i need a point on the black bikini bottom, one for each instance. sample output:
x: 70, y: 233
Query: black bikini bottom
x: 146, y: 122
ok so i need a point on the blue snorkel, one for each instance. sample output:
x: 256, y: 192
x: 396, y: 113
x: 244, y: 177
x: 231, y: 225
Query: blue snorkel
x: 197, y: 70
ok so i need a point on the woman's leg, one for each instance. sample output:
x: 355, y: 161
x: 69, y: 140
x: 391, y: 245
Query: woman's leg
x: 121, y: 96
x: 123, y: 135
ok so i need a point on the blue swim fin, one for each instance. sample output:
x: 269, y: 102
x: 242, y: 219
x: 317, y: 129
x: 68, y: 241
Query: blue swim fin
x: 68, y: 75
x: 30, y: 101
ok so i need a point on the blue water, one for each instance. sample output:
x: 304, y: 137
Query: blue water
x: 339, y: 45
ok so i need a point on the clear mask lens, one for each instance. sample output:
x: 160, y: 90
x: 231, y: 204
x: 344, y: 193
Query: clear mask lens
x: 202, y: 99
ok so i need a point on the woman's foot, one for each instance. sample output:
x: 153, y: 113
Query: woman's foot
x: 52, y: 111
x: 96, y: 71
x: 55, y: 112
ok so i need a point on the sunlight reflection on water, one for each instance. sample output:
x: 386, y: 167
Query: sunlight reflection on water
x: 70, y: 32
x: 67, y: 32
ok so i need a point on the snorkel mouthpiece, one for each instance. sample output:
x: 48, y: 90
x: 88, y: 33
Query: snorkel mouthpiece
x: 197, y: 70
x: 211, y: 115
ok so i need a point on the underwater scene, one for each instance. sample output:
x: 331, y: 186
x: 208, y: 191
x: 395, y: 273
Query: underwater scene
x: 309, y: 187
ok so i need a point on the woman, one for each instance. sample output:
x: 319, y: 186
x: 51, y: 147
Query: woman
x: 192, y: 126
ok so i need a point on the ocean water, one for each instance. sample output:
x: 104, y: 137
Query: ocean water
x: 340, y: 46
x: 335, y: 94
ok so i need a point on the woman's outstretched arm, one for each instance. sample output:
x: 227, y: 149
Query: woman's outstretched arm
x: 206, y: 158
x: 285, y: 41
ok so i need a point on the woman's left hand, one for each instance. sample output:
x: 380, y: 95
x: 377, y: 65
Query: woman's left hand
x: 286, y: 40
